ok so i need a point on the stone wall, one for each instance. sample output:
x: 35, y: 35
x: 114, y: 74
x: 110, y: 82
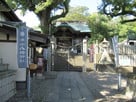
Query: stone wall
x: 131, y: 86
x: 7, y: 85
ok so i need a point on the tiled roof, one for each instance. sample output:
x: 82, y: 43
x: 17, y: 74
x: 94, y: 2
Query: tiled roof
x: 76, y: 26
x: 82, y: 27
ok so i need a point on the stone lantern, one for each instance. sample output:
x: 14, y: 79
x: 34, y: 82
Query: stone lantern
x: 105, y: 57
x: 105, y: 43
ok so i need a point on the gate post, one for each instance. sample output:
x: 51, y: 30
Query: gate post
x: 84, y: 54
x: 52, y: 52
x: 49, y: 59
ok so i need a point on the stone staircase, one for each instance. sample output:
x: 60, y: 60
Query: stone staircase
x: 72, y: 63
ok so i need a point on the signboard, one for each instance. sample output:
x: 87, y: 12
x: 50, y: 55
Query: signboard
x: 22, y: 46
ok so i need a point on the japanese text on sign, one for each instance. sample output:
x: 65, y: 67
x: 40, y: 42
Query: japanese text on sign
x: 22, y: 46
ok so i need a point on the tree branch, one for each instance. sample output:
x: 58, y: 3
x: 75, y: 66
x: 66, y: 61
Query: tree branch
x: 119, y: 12
x: 63, y: 14
x: 130, y: 20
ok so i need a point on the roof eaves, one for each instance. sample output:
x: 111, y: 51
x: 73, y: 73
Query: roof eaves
x: 8, y: 12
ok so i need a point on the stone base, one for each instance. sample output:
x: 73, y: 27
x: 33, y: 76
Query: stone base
x: 105, y: 67
x: 131, y: 87
x: 21, y: 85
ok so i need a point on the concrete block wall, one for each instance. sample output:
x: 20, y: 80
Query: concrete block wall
x: 7, y: 87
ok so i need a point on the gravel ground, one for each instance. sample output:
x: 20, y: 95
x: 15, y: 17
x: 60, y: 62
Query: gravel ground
x: 105, y: 85
x: 102, y: 86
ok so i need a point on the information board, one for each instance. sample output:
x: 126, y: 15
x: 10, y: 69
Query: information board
x: 22, y: 46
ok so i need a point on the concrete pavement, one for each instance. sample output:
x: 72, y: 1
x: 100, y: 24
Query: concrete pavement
x: 73, y: 87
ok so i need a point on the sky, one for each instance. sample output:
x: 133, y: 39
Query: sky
x: 91, y: 4
x: 32, y: 21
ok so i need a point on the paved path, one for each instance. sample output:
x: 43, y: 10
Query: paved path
x: 70, y: 88
x: 74, y: 87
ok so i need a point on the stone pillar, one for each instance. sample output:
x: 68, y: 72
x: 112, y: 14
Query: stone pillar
x: 84, y: 54
x: 49, y: 59
x: 52, y: 52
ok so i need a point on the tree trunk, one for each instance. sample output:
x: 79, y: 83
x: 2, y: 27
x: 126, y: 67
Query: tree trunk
x: 44, y: 17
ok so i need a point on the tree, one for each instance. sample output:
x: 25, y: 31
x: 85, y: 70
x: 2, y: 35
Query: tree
x: 79, y: 13
x: 43, y: 9
x: 101, y: 27
x: 126, y: 30
x: 121, y: 8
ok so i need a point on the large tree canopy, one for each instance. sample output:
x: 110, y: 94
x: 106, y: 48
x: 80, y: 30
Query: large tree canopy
x: 43, y: 9
x: 120, y: 8
x: 101, y: 26
x: 78, y: 13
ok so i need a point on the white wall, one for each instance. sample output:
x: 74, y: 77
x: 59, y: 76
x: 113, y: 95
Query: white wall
x: 8, y: 52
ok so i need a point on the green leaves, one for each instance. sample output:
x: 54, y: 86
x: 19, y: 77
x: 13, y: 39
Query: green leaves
x: 100, y: 26
x: 120, y: 8
x: 42, y: 8
x: 79, y: 13
x: 43, y: 5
